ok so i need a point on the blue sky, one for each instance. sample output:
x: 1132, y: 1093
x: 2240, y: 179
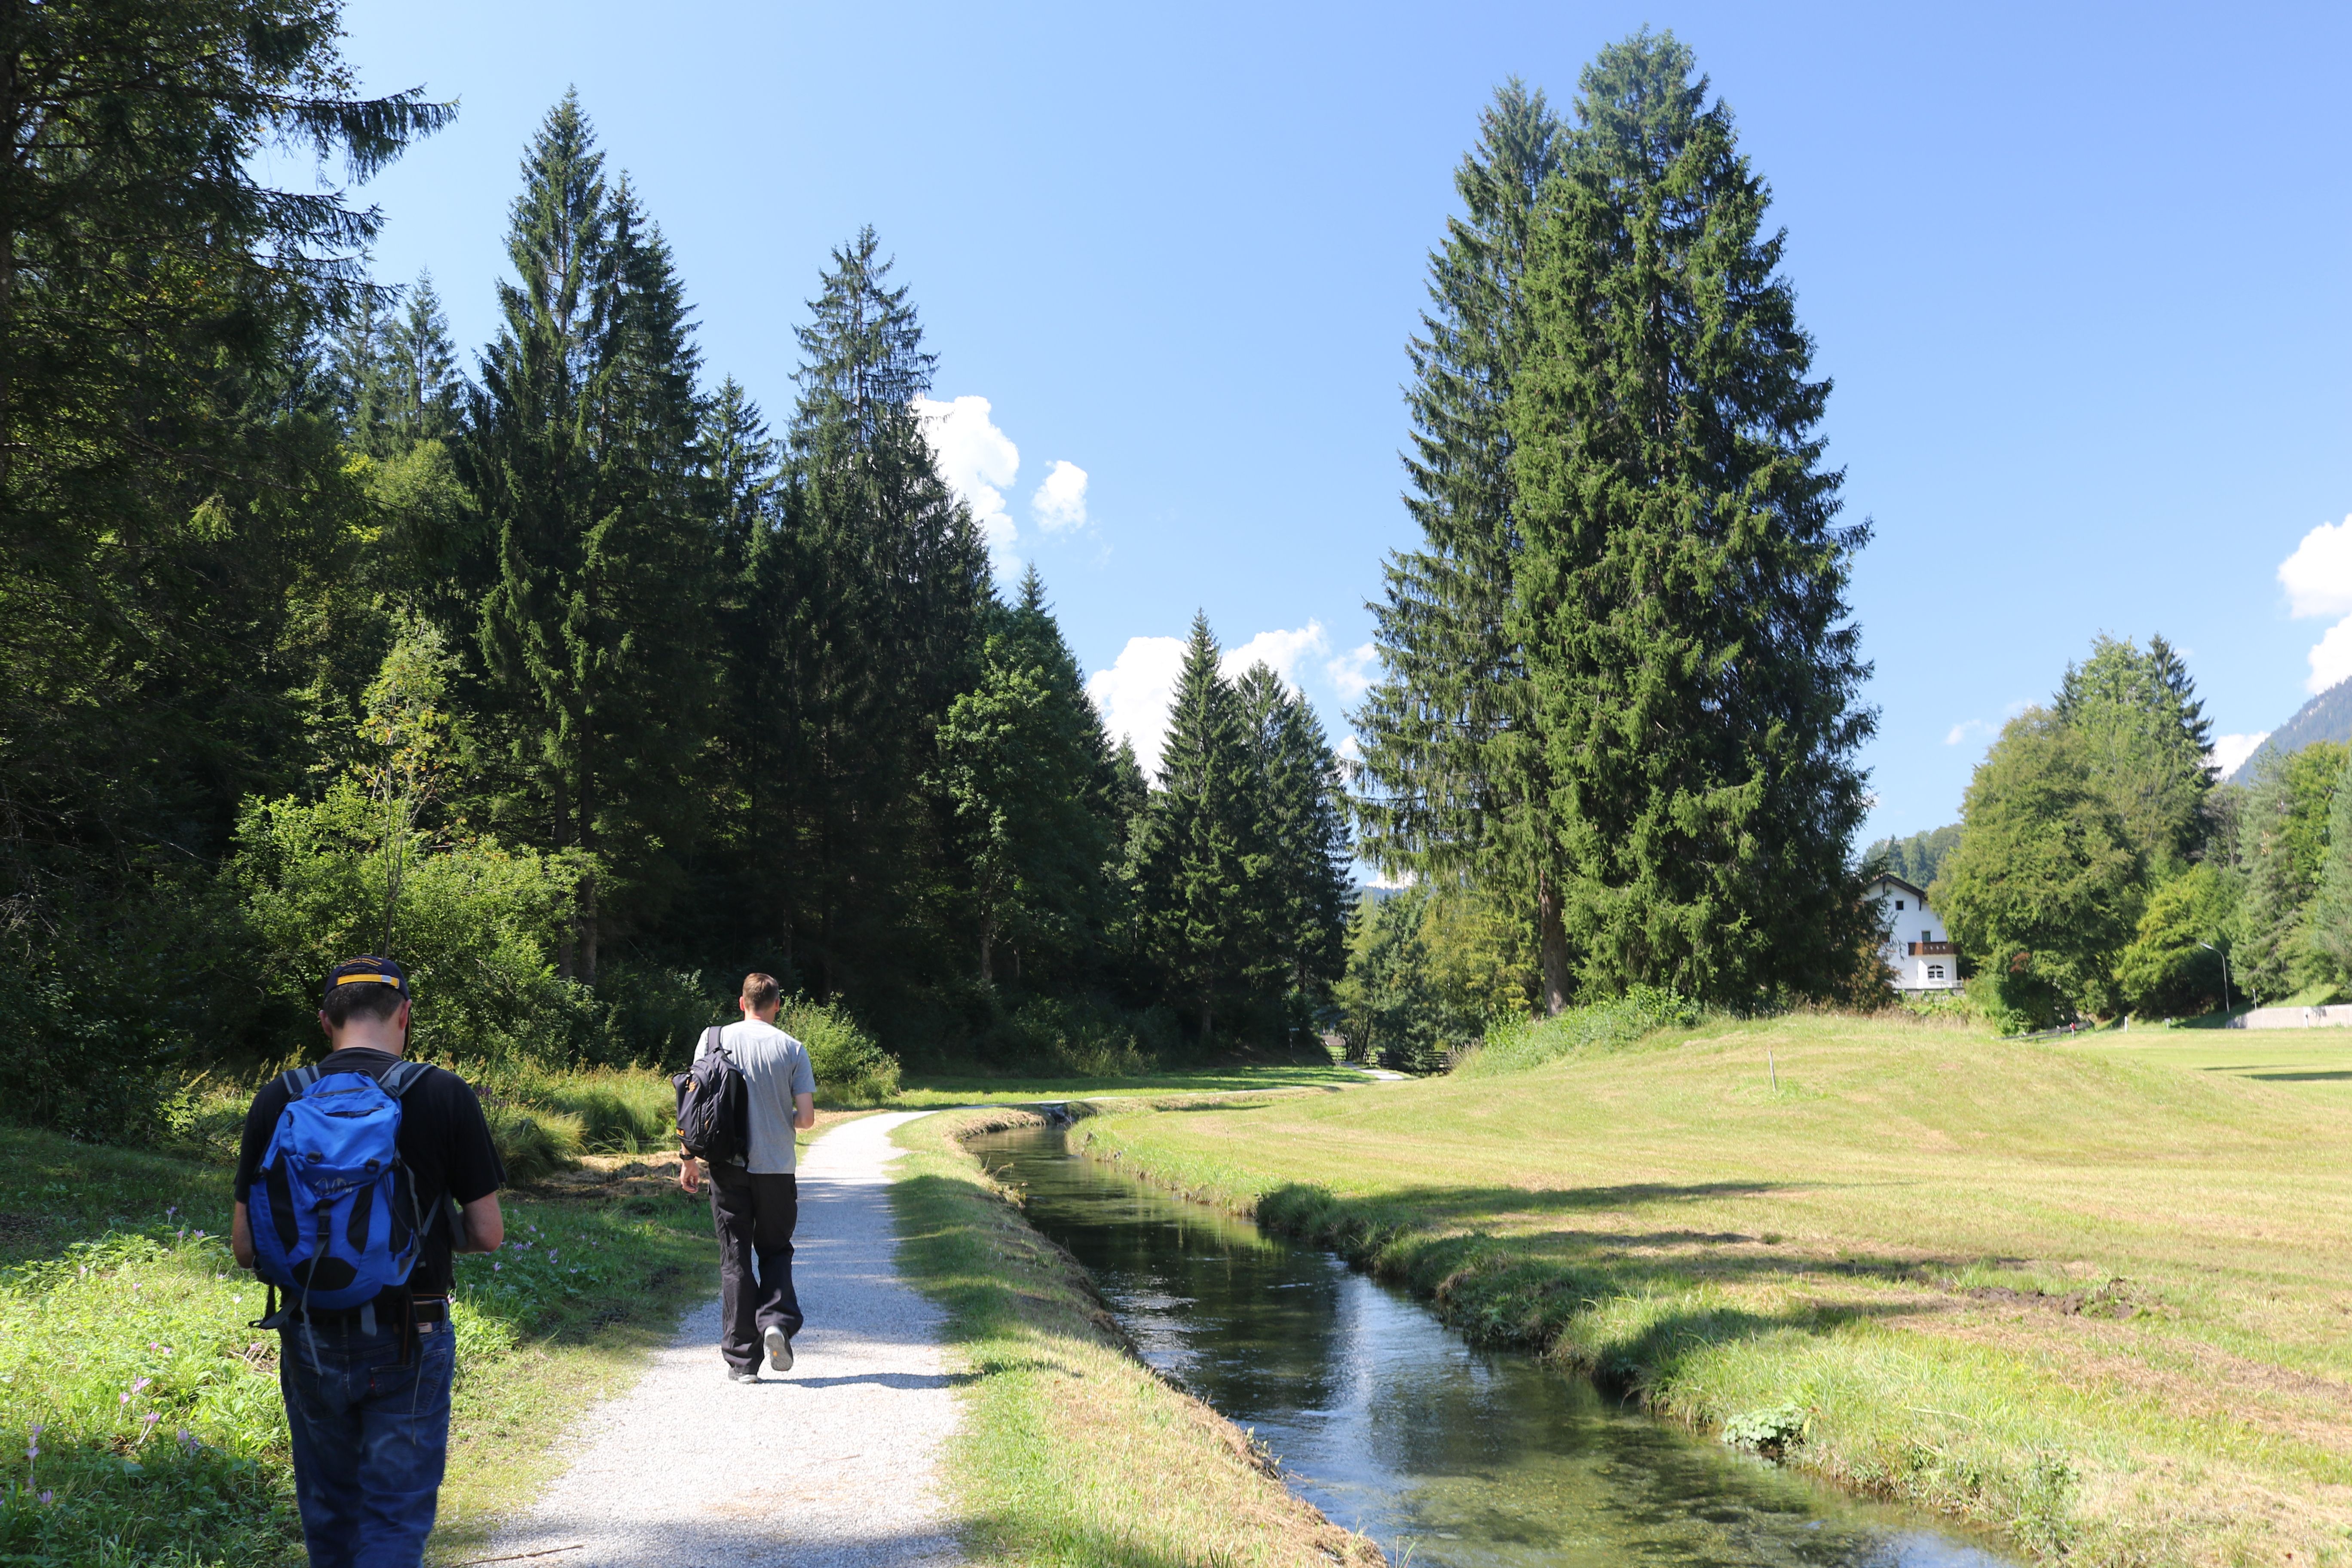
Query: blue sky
x: 2079, y: 275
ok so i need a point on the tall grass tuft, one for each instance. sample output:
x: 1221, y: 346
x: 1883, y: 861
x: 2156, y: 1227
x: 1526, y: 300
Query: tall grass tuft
x: 1608, y: 1025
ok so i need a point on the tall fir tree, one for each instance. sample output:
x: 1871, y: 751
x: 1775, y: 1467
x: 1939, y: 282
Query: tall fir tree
x: 883, y: 585
x: 1204, y: 871
x: 1301, y: 794
x: 1459, y: 791
x: 583, y: 454
x: 1679, y: 595
x: 422, y: 391
x: 170, y: 500
x: 1020, y: 760
x: 2282, y: 846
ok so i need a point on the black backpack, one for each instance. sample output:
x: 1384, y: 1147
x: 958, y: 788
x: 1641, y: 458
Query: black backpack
x: 714, y: 1107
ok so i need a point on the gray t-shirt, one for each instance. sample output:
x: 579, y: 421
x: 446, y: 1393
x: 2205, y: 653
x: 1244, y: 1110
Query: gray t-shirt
x: 775, y: 1066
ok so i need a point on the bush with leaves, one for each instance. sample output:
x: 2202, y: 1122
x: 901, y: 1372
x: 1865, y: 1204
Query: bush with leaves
x: 474, y: 926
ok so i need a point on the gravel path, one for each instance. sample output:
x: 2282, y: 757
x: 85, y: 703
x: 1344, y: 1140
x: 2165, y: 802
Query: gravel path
x: 828, y: 1466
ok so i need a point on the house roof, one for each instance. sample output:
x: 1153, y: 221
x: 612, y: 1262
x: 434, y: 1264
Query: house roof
x: 1893, y: 880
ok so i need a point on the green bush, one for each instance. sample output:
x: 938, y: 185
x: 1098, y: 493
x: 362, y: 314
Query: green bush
x: 652, y: 1016
x: 1599, y: 1027
x: 474, y: 924
x: 1076, y: 1039
x: 850, y: 1068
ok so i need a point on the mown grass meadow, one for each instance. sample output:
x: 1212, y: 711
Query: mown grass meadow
x: 2088, y: 1297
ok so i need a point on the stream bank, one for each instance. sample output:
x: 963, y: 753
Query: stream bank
x: 1072, y: 1451
x: 1391, y: 1424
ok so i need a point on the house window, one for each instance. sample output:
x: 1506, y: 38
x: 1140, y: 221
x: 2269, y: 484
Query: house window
x: 1927, y: 936
x: 1898, y: 903
x: 1934, y: 971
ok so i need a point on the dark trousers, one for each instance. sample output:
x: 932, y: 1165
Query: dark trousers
x: 754, y: 1215
x: 370, y: 1437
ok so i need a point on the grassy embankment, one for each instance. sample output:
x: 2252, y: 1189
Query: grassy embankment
x: 933, y: 1092
x: 123, y: 1339
x: 1071, y: 1451
x: 2095, y: 1296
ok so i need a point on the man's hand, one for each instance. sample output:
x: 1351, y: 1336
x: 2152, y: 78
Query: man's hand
x: 689, y: 1174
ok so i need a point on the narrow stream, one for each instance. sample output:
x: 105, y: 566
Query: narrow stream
x: 1388, y: 1422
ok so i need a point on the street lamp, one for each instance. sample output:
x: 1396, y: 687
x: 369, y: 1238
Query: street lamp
x: 2225, y: 976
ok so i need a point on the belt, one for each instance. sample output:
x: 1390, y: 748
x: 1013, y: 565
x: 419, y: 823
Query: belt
x: 426, y: 1309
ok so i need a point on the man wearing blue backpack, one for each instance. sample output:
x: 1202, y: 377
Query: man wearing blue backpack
x: 345, y: 1188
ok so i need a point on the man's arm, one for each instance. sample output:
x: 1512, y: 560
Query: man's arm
x: 240, y: 1237
x: 804, y: 1112
x: 480, y: 1227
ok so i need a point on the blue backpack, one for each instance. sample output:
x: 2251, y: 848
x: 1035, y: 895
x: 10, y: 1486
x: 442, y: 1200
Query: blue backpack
x: 333, y: 1213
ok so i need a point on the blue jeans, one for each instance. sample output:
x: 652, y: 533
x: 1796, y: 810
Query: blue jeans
x: 371, y: 1437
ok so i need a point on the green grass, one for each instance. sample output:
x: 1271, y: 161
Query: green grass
x: 2082, y: 1292
x: 117, y: 1284
x: 930, y: 1091
x: 1071, y: 1451
x: 2307, y: 1061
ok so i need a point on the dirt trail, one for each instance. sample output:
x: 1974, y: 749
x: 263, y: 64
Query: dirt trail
x: 831, y: 1465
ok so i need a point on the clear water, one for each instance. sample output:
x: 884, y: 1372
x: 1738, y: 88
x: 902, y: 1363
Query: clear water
x: 1391, y: 1425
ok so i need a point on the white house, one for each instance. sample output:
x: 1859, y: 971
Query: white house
x: 1919, y: 949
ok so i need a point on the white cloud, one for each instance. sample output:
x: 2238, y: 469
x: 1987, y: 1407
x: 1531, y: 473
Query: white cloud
x: 974, y: 457
x: 2230, y: 751
x: 2318, y: 576
x: 1283, y: 650
x: 1060, y: 502
x: 1135, y: 693
x: 2318, y: 581
x: 2331, y: 658
x: 1351, y: 672
x: 1970, y: 727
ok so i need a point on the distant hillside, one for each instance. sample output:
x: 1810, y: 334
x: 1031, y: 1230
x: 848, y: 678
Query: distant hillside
x: 1915, y: 858
x: 2327, y: 717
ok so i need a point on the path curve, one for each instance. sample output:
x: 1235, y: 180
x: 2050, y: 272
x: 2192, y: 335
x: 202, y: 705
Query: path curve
x: 832, y: 1465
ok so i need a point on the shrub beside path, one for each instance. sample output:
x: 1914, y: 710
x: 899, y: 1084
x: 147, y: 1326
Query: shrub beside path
x: 832, y: 1465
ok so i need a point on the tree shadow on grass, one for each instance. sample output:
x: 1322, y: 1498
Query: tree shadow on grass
x: 1501, y: 1278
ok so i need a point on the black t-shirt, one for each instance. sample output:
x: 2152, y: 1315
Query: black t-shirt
x: 443, y: 1141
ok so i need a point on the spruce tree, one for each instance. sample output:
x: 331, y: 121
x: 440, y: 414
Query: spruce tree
x: 1019, y: 758
x: 1300, y: 809
x: 168, y: 500
x: 1458, y: 792
x: 2328, y: 921
x: 1679, y: 595
x: 2283, y: 844
x: 583, y: 453
x: 883, y: 582
x: 1204, y: 916
x: 423, y: 389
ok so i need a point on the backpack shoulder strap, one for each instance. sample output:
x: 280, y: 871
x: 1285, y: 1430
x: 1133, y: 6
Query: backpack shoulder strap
x: 299, y: 1082
x: 402, y: 1076
x: 717, y: 1040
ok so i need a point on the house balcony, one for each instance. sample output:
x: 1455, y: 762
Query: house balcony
x: 1933, y: 950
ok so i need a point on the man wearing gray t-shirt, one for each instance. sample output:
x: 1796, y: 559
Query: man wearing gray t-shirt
x: 755, y: 1206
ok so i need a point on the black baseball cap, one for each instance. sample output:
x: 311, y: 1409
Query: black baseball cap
x: 365, y: 970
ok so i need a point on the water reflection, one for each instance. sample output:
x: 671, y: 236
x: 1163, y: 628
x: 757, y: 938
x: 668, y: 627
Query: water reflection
x: 1391, y: 1425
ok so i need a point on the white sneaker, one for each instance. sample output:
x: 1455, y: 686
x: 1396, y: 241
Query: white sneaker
x: 779, y: 1350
